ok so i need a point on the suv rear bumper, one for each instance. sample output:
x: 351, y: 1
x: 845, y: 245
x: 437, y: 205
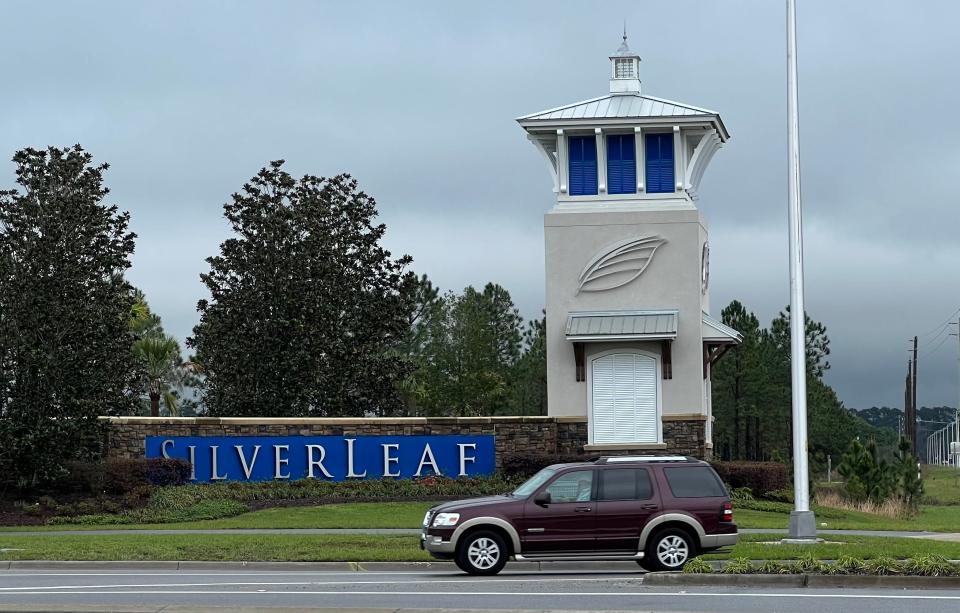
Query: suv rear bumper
x: 709, y: 541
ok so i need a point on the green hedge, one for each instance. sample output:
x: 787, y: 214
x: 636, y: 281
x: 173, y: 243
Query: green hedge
x: 923, y: 566
x: 761, y: 478
x: 218, y: 500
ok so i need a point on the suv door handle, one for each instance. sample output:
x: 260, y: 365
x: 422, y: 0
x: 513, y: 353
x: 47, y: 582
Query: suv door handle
x: 649, y: 507
x: 582, y: 509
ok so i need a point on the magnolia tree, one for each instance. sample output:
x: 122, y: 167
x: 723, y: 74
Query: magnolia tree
x: 64, y: 307
x: 307, y: 311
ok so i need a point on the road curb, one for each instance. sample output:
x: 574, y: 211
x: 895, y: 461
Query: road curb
x: 798, y: 581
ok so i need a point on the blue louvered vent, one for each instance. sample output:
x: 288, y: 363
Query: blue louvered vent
x: 621, y: 164
x: 582, y: 151
x: 659, y: 163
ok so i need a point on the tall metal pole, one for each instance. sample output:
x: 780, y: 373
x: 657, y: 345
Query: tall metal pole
x: 803, y: 525
x: 956, y: 412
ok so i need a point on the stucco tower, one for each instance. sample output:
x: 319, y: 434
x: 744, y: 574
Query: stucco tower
x: 630, y: 341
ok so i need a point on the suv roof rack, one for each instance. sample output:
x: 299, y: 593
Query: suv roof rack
x: 616, y: 459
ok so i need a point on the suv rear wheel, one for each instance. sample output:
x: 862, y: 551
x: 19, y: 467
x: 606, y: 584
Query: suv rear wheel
x: 481, y: 553
x: 669, y: 549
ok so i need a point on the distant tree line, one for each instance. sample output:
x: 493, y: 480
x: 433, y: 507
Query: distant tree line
x: 752, y: 395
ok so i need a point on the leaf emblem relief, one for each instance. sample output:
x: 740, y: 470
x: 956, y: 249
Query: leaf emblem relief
x: 618, y: 264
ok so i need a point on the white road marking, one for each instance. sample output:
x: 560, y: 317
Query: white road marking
x: 291, y: 583
x: 530, y: 594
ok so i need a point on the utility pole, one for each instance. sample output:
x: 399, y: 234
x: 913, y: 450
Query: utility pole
x: 803, y: 524
x: 908, y: 424
x: 916, y: 407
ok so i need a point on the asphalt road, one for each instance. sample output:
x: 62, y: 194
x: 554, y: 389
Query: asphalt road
x: 428, y: 590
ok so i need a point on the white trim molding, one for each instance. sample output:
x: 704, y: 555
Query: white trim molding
x: 547, y: 145
x: 709, y: 143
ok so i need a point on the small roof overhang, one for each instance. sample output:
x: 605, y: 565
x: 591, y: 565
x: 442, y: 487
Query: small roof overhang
x: 715, y: 332
x: 621, y: 325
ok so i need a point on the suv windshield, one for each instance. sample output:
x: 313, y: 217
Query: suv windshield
x: 530, y: 485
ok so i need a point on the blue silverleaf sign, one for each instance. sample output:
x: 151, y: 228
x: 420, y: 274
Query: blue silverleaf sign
x: 331, y: 458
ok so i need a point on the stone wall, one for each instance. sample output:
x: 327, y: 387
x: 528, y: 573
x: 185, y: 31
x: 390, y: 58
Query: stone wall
x: 126, y: 436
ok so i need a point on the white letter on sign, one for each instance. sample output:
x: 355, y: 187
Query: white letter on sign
x: 350, y: 473
x: 318, y: 463
x: 192, y: 451
x: 463, y: 457
x: 389, y: 459
x: 278, y: 461
x: 427, y: 453
x: 213, y: 464
x: 163, y: 448
x: 247, y: 470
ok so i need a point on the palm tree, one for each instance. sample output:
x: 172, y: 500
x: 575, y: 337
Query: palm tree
x: 163, y: 370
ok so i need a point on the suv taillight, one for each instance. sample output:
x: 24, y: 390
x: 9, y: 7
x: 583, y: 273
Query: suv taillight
x: 727, y: 513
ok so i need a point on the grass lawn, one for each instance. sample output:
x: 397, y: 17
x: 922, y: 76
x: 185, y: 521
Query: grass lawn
x: 347, y: 515
x: 239, y: 547
x: 410, y: 514
x: 931, y: 518
x: 941, y: 485
x: 360, y: 548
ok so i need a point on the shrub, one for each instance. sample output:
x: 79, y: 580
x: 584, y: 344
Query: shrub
x: 882, y: 566
x: 740, y: 494
x: 847, y: 565
x: 738, y: 566
x: 528, y: 464
x: 774, y: 567
x: 807, y: 564
x: 931, y: 566
x: 164, y: 471
x: 698, y: 566
x: 760, y: 477
x: 784, y: 495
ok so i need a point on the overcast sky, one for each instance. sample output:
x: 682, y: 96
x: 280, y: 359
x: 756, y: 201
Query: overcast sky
x: 186, y: 100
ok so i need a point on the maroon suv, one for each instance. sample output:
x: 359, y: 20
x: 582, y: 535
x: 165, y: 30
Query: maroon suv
x: 659, y: 511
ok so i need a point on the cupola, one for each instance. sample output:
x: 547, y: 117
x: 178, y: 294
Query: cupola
x: 624, y: 70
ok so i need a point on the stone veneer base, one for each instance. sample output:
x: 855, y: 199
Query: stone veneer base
x: 684, y: 435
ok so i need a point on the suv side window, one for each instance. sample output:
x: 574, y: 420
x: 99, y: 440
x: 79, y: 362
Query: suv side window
x: 694, y: 482
x: 625, y: 484
x: 574, y: 486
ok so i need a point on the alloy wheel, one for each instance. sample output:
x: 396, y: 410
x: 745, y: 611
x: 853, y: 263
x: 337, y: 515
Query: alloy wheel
x: 483, y: 553
x: 672, y: 551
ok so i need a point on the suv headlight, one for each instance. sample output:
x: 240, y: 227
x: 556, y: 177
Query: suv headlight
x: 446, y: 519
x: 426, y: 519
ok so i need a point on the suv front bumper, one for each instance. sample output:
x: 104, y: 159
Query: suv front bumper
x: 439, y: 543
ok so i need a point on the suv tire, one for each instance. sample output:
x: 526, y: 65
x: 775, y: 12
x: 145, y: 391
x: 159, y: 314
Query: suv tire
x: 481, y: 553
x: 668, y: 549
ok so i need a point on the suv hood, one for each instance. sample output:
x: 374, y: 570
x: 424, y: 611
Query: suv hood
x: 456, y: 505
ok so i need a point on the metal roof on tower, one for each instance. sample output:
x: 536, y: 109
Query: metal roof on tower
x: 624, y: 106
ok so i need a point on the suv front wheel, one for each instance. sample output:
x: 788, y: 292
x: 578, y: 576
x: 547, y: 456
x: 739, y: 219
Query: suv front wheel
x: 668, y: 550
x: 481, y: 553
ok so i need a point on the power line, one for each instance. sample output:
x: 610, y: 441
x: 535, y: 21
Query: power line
x: 942, y: 342
x: 939, y: 329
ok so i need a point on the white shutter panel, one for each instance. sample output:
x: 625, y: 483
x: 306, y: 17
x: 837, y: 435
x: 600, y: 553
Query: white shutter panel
x: 603, y: 400
x: 624, y: 399
x: 646, y: 399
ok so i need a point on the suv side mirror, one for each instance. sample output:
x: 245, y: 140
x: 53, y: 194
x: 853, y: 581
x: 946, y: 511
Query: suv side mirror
x: 542, y: 499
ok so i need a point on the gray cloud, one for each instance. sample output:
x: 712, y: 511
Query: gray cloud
x: 187, y: 100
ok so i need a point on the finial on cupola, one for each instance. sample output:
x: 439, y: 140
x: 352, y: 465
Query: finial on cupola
x: 624, y: 69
